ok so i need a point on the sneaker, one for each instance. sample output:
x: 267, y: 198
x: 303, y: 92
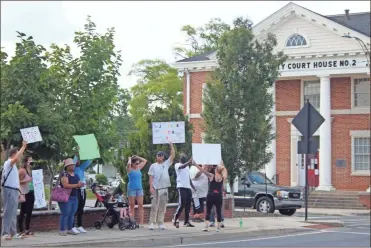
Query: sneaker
x: 217, y: 229
x: 75, y: 230
x: 81, y: 230
x: 151, y: 227
x: 70, y: 232
x: 222, y: 225
x: 176, y: 224
x: 212, y: 224
x: 206, y: 229
x: 188, y: 225
x: 62, y: 233
x: 6, y: 237
x: 18, y: 236
x: 162, y: 227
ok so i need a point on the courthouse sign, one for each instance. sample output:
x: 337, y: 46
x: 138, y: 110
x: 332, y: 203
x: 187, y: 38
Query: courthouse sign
x: 322, y: 64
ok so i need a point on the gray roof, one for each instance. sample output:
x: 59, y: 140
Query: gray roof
x: 359, y: 22
x: 201, y: 57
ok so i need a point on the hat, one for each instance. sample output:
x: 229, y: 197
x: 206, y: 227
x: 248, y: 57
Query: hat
x: 68, y: 162
x: 160, y: 154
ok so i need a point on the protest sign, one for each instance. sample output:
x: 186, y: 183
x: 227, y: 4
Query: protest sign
x: 31, y: 134
x: 207, y: 153
x: 88, y: 144
x: 39, y: 191
x: 165, y: 132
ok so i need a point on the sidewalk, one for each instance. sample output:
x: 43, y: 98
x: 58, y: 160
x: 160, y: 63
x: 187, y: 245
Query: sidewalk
x: 321, y: 211
x: 171, y: 236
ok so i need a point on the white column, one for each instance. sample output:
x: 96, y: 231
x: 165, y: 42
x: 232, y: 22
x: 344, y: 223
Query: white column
x: 271, y: 167
x: 325, y: 136
x: 369, y: 189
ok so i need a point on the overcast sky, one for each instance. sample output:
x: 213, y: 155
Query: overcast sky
x: 144, y: 30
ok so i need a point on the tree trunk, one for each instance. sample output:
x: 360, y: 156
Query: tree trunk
x: 231, y: 187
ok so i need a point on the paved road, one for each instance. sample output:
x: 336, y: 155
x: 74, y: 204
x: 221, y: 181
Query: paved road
x: 355, y: 233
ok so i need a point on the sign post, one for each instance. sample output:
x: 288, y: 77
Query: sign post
x: 307, y: 121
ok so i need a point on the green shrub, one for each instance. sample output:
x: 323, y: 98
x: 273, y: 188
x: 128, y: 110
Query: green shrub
x: 101, y: 179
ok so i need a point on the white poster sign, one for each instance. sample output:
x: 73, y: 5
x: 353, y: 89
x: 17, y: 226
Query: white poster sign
x: 31, y: 134
x: 207, y: 153
x: 38, y: 184
x: 165, y: 132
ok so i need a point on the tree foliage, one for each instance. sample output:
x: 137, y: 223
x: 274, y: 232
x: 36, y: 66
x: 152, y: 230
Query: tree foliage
x: 238, y: 102
x: 62, y: 94
x: 202, y: 39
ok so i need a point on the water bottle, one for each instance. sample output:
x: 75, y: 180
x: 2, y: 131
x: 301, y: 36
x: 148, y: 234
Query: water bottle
x: 241, y: 222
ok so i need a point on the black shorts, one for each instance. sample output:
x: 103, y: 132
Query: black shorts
x: 200, y: 203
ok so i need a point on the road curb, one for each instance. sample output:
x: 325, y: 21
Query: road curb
x: 172, y: 241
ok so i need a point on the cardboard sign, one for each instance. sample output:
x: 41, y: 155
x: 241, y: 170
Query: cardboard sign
x: 31, y: 134
x: 165, y: 132
x: 88, y: 144
x: 39, y: 191
x: 207, y: 153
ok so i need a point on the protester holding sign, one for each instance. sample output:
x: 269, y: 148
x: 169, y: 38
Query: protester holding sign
x: 27, y: 188
x: 201, y: 184
x: 217, y: 177
x: 81, y: 192
x: 159, y: 182
x: 10, y: 184
x: 184, y: 186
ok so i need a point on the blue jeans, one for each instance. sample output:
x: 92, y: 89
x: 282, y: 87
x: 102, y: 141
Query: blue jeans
x: 68, y: 210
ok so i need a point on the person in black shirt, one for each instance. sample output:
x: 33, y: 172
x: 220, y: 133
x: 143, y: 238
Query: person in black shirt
x: 217, y: 177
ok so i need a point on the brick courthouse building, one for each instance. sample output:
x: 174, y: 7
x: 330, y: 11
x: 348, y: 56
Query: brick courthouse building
x: 324, y: 67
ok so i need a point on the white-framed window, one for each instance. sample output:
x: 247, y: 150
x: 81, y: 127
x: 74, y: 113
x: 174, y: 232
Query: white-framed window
x: 361, y: 92
x: 296, y: 40
x: 311, y: 91
x: 360, y: 152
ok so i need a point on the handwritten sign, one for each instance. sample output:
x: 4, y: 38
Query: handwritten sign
x: 31, y: 134
x: 165, y: 132
x: 210, y: 154
x: 39, y: 191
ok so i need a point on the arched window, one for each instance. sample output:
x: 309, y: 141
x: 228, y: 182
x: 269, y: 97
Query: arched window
x: 296, y: 40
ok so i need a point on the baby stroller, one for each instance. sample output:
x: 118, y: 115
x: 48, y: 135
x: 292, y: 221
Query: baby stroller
x: 111, y: 216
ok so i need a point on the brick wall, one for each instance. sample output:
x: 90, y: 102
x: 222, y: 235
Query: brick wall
x: 364, y: 198
x: 49, y: 220
x: 288, y: 95
x: 283, y: 150
x: 342, y: 149
x: 341, y: 93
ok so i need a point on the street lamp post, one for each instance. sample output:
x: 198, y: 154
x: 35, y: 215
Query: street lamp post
x: 363, y: 46
x: 367, y: 52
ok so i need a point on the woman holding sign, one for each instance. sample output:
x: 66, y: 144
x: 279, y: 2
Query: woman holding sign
x: 217, y: 177
x: 26, y: 187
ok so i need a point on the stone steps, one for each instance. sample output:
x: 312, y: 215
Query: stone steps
x: 335, y: 199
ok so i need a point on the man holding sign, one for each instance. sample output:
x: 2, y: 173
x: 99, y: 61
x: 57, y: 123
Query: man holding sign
x: 159, y: 182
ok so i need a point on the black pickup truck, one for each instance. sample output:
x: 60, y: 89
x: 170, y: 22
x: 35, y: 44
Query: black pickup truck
x: 258, y: 192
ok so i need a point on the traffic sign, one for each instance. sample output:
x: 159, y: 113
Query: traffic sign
x: 308, y: 120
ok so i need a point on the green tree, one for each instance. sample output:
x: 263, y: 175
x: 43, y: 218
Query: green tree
x: 238, y: 102
x: 202, y: 39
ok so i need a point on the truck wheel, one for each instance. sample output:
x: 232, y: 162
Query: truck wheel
x: 265, y: 205
x: 287, y: 212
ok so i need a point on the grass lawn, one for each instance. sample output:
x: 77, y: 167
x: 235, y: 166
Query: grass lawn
x: 89, y: 194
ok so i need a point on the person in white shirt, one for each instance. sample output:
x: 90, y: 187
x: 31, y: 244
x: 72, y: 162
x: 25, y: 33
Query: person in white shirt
x: 201, y: 184
x: 184, y: 186
x: 11, y: 191
x: 159, y: 182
